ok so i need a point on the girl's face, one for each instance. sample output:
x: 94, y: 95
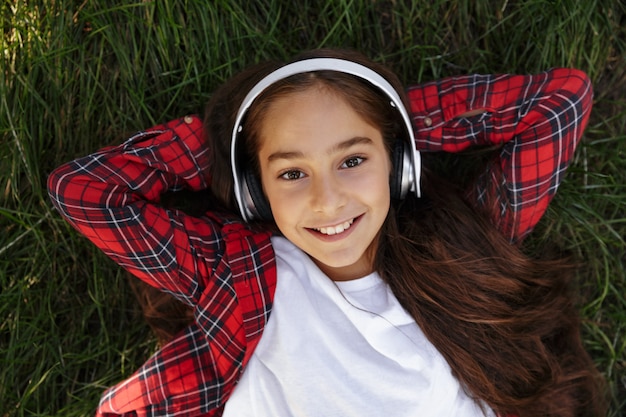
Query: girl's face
x: 325, y: 172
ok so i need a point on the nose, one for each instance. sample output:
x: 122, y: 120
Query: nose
x: 327, y: 194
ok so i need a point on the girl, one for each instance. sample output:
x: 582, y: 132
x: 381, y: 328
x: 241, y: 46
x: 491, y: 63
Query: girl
x: 388, y: 293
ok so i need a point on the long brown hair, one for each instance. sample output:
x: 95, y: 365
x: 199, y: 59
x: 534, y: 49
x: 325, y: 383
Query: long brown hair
x: 506, y: 322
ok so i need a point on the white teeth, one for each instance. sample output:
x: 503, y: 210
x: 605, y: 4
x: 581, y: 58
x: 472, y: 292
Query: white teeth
x: 334, y: 230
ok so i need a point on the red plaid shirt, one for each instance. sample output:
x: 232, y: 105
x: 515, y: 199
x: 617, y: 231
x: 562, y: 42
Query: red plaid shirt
x: 229, y: 274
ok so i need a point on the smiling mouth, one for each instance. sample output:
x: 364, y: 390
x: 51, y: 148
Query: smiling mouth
x: 335, y: 230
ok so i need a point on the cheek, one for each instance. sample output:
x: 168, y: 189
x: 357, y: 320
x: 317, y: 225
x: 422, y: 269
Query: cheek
x: 286, y: 215
x: 376, y: 184
x: 283, y: 204
x: 278, y: 202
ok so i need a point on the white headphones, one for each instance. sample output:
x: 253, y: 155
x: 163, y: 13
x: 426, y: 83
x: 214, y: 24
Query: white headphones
x: 406, y: 159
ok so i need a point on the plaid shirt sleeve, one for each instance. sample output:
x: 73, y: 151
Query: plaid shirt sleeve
x: 214, y: 264
x: 112, y: 197
x: 537, y: 120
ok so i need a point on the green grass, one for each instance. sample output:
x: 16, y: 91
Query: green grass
x: 79, y: 75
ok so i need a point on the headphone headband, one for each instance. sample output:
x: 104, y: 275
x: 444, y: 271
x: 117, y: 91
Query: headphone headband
x: 242, y: 197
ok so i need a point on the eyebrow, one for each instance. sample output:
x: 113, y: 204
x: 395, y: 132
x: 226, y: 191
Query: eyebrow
x: 346, y: 144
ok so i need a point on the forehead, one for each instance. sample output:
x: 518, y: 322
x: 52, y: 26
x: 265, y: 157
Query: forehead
x: 314, y: 113
x: 364, y: 98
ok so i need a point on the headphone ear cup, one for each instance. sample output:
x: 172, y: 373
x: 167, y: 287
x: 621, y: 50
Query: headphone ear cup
x: 397, y: 160
x: 258, y: 205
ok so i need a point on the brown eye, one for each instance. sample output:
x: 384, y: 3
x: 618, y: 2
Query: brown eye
x: 353, y: 162
x: 291, y: 175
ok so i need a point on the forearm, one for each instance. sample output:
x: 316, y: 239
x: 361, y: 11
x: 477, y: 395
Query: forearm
x: 455, y: 113
x: 142, y: 168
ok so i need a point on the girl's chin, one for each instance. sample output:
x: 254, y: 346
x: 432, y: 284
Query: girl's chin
x: 341, y: 271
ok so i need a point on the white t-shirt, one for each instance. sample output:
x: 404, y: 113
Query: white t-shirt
x: 342, y: 349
